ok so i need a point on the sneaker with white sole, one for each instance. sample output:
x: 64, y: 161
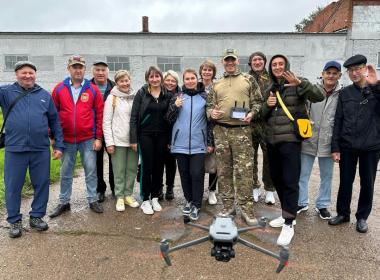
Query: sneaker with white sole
x: 187, y: 208
x: 194, y: 214
x: 302, y: 209
x: 120, y: 207
x: 324, y: 214
x: 256, y: 194
x: 131, y: 202
x: 279, y: 222
x: 212, y: 200
x: 286, y: 235
x: 155, y: 205
x: 269, y: 198
x: 146, y: 207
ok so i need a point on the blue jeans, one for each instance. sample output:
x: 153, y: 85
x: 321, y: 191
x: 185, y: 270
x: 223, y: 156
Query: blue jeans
x: 326, y: 166
x: 88, y: 158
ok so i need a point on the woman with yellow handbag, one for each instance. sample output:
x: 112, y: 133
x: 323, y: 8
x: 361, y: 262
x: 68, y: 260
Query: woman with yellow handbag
x: 286, y: 126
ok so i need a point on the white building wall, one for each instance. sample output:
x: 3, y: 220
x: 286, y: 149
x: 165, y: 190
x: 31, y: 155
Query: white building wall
x: 307, y: 52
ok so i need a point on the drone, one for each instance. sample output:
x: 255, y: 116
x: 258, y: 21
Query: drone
x: 224, y: 234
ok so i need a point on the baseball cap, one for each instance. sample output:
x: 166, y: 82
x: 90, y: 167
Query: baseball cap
x: 76, y: 59
x: 332, y: 64
x: 100, y: 62
x: 230, y: 53
x: 22, y: 64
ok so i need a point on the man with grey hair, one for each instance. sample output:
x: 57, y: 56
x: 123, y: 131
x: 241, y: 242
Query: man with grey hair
x: 100, y: 72
x: 29, y: 112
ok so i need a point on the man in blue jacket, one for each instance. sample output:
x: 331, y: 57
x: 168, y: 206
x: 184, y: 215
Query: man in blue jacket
x: 27, y: 145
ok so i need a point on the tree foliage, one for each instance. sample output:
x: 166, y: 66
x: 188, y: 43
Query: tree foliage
x: 300, y: 27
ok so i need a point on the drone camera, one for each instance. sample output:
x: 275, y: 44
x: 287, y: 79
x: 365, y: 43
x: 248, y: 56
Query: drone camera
x: 223, y: 252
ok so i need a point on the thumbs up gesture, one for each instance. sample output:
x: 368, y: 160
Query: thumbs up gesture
x: 272, y: 100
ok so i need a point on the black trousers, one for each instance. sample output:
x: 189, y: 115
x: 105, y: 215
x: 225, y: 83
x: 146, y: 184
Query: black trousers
x: 102, y: 186
x: 170, y: 167
x: 285, y: 167
x: 152, y: 147
x: 192, y: 172
x: 368, y: 162
x: 212, y: 181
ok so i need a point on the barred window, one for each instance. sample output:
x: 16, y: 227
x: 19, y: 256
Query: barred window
x: 243, y: 65
x: 11, y: 60
x: 166, y: 63
x: 116, y: 63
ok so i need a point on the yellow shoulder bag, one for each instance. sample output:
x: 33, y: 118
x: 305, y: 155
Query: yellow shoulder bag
x: 302, y: 125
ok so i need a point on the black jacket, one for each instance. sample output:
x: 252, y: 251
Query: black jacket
x: 140, y: 104
x: 278, y: 127
x: 357, y: 119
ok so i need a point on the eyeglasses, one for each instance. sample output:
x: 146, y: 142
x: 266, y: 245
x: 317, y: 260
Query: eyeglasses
x: 355, y: 68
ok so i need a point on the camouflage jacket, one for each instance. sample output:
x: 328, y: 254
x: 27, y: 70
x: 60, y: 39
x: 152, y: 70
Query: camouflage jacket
x: 238, y: 88
x: 264, y: 81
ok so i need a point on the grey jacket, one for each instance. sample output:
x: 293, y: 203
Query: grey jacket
x: 322, y: 117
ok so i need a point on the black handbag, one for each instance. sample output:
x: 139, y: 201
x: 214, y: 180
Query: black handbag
x: 2, y: 133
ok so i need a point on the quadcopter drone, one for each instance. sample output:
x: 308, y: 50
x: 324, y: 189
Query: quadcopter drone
x: 223, y: 233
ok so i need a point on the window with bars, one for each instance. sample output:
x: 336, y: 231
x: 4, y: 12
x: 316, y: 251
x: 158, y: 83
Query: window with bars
x: 166, y: 63
x: 11, y: 60
x: 116, y: 63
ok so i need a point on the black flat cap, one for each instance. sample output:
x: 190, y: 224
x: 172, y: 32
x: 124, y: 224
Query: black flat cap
x: 100, y: 62
x: 355, y: 60
x: 22, y: 64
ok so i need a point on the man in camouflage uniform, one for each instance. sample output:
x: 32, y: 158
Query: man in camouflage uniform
x: 232, y: 102
x: 257, y: 62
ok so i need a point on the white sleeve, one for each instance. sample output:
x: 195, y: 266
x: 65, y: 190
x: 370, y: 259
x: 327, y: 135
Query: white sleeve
x: 107, y: 122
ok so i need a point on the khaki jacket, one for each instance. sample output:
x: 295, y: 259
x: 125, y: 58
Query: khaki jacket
x: 238, y: 88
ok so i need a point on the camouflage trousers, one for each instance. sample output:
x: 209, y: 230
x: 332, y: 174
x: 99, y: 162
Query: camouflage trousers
x: 258, y: 140
x: 234, y: 156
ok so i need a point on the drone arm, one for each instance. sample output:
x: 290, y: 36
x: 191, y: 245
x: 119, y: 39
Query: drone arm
x: 257, y: 248
x: 199, y: 226
x: 283, y: 257
x: 262, y: 223
x: 188, y: 244
x: 244, y: 229
x: 164, y: 247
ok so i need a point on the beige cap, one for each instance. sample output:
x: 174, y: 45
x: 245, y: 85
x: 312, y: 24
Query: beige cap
x: 76, y: 59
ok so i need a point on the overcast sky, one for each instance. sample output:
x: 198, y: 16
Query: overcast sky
x: 164, y: 15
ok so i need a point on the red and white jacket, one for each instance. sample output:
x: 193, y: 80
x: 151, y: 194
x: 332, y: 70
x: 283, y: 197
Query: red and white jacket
x: 82, y: 120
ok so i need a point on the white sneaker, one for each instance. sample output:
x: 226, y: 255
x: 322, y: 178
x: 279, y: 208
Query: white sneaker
x: 120, y: 207
x: 146, y: 207
x: 286, y: 235
x: 212, y: 200
x: 269, y: 198
x: 155, y: 205
x: 279, y: 222
x: 256, y: 194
